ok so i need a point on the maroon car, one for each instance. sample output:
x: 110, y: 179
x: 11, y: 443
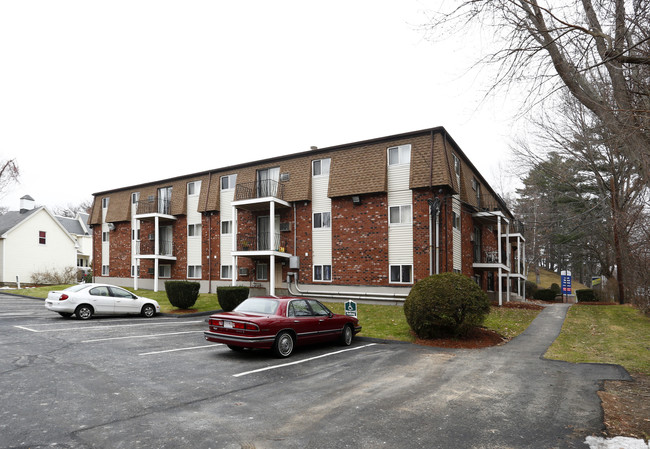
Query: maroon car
x: 280, y: 324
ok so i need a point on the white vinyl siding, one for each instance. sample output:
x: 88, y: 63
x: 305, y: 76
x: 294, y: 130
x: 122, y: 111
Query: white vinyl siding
x: 458, y: 260
x: 194, y: 219
x: 400, y: 202
x: 225, y: 248
x: 106, y: 259
x: 135, y: 233
x: 322, y: 236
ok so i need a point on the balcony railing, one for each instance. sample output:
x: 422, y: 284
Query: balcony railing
x: 146, y: 247
x: 259, y: 189
x: 254, y: 242
x: 154, y: 205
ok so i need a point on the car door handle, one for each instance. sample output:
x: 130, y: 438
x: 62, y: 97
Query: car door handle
x: 296, y: 321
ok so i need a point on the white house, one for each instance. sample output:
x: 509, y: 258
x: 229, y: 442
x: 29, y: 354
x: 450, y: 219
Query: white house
x: 34, y: 240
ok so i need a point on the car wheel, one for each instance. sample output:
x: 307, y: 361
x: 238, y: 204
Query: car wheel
x: 346, y: 335
x: 65, y: 314
x: 235, y: 348
x: 84, y: 312
x: 284, y: 343
x: 148, y: 311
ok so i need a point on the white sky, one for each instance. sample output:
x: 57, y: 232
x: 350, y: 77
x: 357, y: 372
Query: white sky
x: 100, y: 95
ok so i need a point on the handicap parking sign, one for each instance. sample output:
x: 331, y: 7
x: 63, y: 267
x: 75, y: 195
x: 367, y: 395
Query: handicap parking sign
x: 351, y: 308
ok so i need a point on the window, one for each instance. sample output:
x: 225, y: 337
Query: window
x: 226, y: 227
x: 262, y: 272
x: 299, y: 307
x: 135, y: 197
x: 322, y: 272
x: 104, y: 270
x: 477, y: 188
x: 105, y: 203
x: 193, y: 188
x: 104, y: 236
x: 399, y: 155
x: 399, y: 214
x: 456, y: 220
x: 226, y: 271
x: 165, y: 271
x: 164, y: 200
x: 456, y: 164
x: 401, y: 274
x: 228, y: 182
x: 41, y: 237
x: 194, y: 271
x: 320, y: 167
x: 194, y: 230
x: 135, y: 234
x: 322, y: 220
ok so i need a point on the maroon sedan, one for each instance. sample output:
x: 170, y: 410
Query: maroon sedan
x: 280, y: 324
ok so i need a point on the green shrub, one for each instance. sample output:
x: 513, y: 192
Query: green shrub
x: 445, y: 304
x: 556, y: 288
x: 531, y: 288
x: 231, y: 297
x: 545, y: 294
x: 182, y: 294
x: 585, y: 295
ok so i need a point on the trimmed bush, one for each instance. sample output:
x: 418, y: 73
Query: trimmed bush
x: 545, y: 294
x: 556, y: 288
x: 586, y: 295
x: 531, y: 288
x: 445, y: 304
x: 182, y: 294
x: 231, y: 297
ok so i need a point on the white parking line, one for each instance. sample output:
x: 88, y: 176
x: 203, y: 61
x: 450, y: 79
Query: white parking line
x: 181, y: 349
x: 301, y: 361
x: 139, y: 336
x: 106, y: 326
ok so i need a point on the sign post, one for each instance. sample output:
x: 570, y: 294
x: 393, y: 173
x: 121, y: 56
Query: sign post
x: 566, y: 283
x: 351, y: 308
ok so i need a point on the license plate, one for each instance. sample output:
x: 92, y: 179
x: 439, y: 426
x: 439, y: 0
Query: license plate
x: 228, y: 324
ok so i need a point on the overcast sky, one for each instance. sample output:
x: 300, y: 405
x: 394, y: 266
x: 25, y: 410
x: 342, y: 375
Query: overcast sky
x: 100, y: 95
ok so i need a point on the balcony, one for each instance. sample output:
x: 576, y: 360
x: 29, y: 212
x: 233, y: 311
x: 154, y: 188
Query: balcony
x: 154, y: 205
x: 262, y: 242
x: 259, y: 189
x: 147, y: 247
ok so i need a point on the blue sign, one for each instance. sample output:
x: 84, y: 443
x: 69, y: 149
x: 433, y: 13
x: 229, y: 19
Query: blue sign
x: 566, y: 282
x: 351, y: 308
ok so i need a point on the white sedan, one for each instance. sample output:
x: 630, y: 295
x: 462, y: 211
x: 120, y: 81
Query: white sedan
x: 86, y: 300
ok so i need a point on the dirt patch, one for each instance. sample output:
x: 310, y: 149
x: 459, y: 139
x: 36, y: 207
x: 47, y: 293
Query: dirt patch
x: 479, y: 337
x: 520, y: 305
x: 183, y: 311
x: 626, y: 406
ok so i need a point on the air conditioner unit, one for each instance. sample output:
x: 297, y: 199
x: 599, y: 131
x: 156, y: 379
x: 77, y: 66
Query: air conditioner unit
x: 285, y: 226
x: 294, y: 262
x: 284, y: 177
x: 243, y: 271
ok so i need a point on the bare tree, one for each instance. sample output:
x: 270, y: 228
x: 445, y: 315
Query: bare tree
x: 71, y: 210
x: 9, y: 173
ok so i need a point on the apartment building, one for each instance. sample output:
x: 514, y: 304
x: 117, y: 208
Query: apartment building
x: 363, y: 220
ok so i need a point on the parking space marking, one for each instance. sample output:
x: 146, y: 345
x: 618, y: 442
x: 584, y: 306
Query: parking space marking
x: 108, y: 325
x: 140, y: 336
x: 246, y: 373
x: 182, y: 349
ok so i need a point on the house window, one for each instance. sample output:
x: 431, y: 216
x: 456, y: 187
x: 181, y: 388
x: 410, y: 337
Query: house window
x: 456, y: 164
x: 194, y: 230
x: 104, y: 236
x: 164, y: 200
x: 194, y: 271
x: 165, y: 271
x: 322, y: 272
x: 401, y: 274
x: 262, y: 272
x: 399, y: 214
x: 456, y: 220
x: 320, y: 167
x: 399, y: 155
x: 228, y: 182
x: 135, y: 197
x: 193, y: 188
x: 104, y: 270
x: 226, y: 271
x: 135, y: 234
x: 322, y: 220
x: 105, y: 203
x: 226, y: 227
x: 41, y: 238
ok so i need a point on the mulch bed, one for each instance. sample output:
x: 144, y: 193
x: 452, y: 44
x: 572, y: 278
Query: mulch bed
x: 479, y: 337
x: 626, y: 406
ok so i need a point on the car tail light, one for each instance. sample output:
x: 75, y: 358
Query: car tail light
x: 216, y: 322
x: 245, y: 326
x: 63, y: 297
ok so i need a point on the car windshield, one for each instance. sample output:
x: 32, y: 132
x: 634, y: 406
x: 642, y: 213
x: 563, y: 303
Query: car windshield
x: 76, y: 288
x: 258, y: 305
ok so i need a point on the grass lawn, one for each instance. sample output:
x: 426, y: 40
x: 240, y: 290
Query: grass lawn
x: 605, y: 334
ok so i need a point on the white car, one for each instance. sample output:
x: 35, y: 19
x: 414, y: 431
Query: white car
x: 86, y: 300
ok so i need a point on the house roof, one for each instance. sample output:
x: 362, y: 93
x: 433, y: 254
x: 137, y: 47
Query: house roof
x: 72, y: 225
x: 10, y: 219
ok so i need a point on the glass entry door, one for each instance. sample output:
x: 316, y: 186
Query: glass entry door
x: 265, y: 241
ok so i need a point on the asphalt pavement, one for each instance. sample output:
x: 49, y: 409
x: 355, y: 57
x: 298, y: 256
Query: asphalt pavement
x: 155, y: 383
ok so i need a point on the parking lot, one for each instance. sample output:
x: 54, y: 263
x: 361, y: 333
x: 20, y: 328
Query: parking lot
x: 137, y: 382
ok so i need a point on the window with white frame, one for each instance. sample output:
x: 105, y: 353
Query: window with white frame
x: 135, y: 234
x: 321, y: 167
x: 105, y: 203
x: 194, y: 230
x: 262, y: 272
x: 135, y: 197
x: 226, y: 227
x: 322, y: 220
x: 226, y: 271
x: 104, y: 270
x: 456, y: 164
x: 104, y: 236
x: 228, y: 182
x: 401, y: 274
x: 399, y: 155
x: 456, y: 220
x: 165, y: 271
x: 322, y: 272
x: 193, y: 188
x: 194, y: 271
x: 399, y: 214
x: 42, y: 237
